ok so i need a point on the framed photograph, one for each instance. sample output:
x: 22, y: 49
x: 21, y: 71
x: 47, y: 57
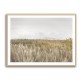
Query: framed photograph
x: 40, y: 40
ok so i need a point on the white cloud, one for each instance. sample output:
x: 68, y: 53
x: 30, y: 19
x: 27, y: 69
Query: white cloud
x: 49, y: 28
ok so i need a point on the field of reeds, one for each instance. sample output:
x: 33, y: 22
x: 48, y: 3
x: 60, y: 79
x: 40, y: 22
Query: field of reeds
x: 28, y: 50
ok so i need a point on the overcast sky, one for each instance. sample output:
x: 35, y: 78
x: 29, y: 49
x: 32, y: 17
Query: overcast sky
x: 32, y: 28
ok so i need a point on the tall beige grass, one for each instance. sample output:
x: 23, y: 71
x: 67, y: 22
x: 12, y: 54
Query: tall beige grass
x: 41, y: 50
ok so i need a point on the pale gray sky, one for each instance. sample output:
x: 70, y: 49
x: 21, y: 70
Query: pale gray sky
x: 32, y: 28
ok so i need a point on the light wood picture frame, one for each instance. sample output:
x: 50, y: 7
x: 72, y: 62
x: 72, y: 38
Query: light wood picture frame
x: 40, y: 40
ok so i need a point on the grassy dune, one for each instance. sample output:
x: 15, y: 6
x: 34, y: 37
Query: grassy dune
x: 26, y: 50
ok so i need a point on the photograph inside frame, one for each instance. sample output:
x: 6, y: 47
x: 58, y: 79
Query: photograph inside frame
x: 41, y: 40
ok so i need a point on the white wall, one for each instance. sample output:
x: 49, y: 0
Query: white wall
x: 38, y: 6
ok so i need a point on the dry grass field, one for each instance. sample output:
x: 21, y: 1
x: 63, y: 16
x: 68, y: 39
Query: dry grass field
x: 27, y: 50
